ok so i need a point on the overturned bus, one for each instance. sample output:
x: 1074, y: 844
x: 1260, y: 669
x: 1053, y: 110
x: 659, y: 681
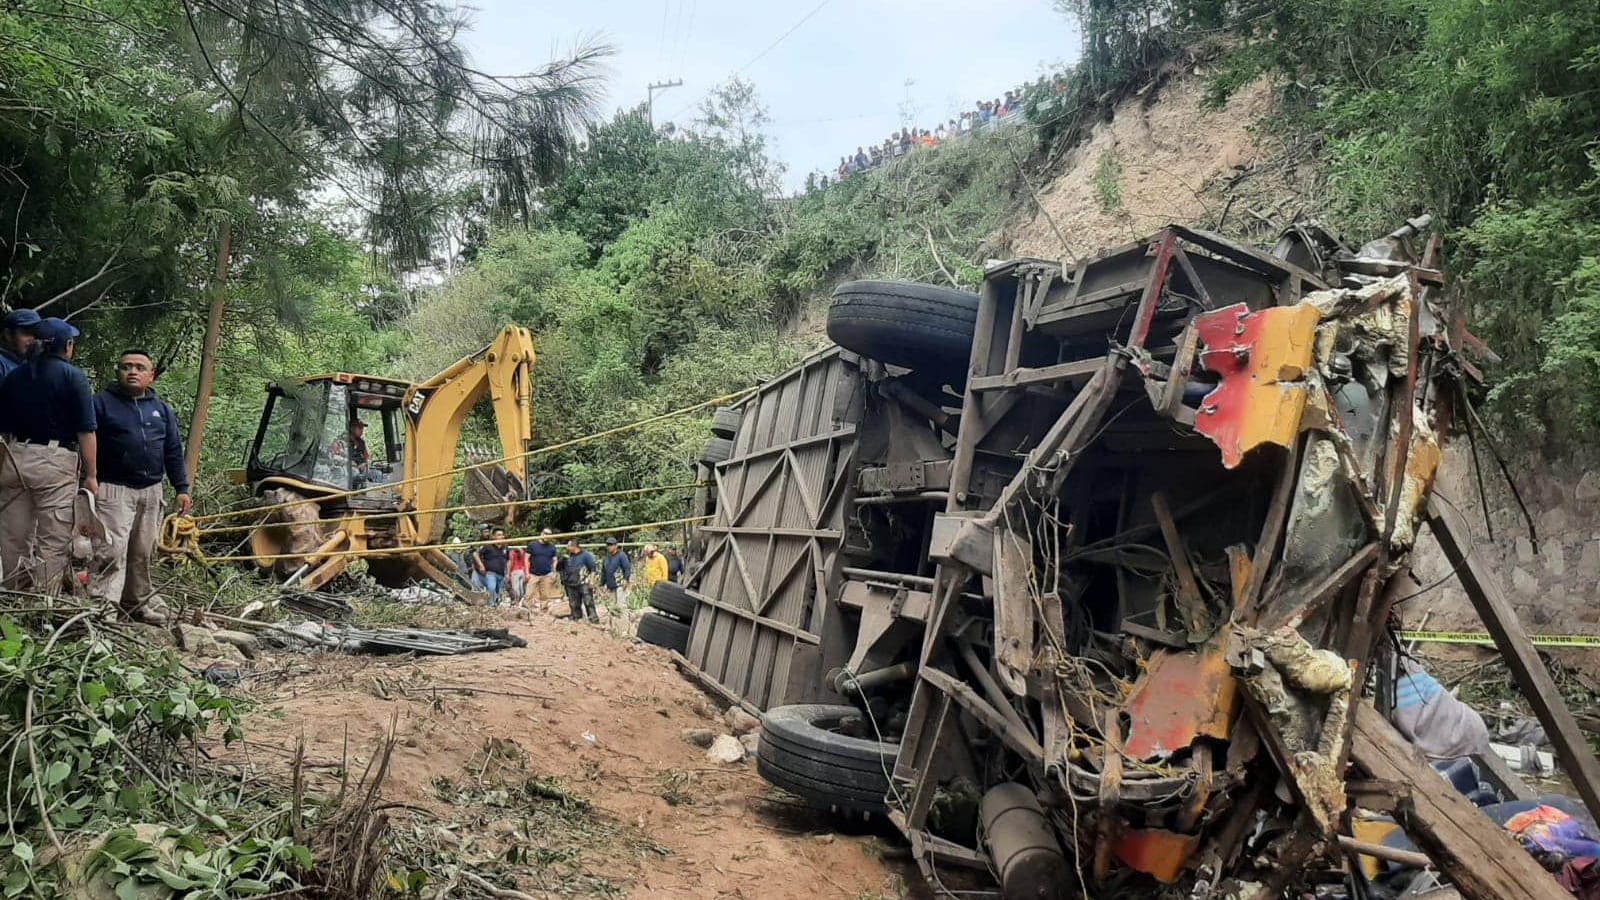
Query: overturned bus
x: 1077, y: 579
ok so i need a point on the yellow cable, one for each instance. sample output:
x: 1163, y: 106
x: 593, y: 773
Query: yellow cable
x: 418, y: 548
x: 536, y: 501
x: 526, y: 454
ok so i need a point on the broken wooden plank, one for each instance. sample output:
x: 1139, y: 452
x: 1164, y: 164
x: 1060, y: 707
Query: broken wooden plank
x: 1495, y: 771
x: 1520, y: 656
x: 1182, y: 367
x: 1110, y: 793
x: 1299, y: 608
x: 1483, y: 860
x: 1248, y: 602
x: 1191, y: 604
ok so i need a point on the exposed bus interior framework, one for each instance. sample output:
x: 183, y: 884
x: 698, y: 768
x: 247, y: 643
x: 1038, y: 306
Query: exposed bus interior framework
x: 1095, y: 606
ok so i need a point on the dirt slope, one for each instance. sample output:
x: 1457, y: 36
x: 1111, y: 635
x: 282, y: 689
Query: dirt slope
x: 578, y: 713
x: 1161, y: 159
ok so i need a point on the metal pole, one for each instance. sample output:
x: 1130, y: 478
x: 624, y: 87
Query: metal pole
x: 208, y: 355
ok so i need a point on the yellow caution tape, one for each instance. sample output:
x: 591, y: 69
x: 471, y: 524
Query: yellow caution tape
x: 526, y: 454
x: 530, y: 502
x: 462, y: 545
x: 1483, y: 639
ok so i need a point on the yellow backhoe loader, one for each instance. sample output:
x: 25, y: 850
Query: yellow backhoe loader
x: 372, y: 458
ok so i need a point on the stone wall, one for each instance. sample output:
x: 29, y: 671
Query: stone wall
x: 1551, y: 581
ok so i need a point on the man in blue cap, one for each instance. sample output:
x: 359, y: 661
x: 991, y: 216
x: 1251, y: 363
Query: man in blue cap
x: 139, y: 444
x: 16, y: 336
x: 47, y: 410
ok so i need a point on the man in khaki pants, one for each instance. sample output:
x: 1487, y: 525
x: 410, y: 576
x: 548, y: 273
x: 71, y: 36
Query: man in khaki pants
x: 47, y: 413
x: 542, y: 573
x: 139, y: 444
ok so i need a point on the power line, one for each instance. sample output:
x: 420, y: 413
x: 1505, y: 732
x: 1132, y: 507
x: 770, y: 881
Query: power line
x: 785, y: 36
x: 688, y: 32
x: 769, y: 48
x: 661, y: 39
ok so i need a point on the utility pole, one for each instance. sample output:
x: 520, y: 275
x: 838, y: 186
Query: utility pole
x: 208, y: 353
x: 650, y: 94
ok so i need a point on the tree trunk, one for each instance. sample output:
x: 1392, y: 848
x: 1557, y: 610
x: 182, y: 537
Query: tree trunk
x: 208, y: 355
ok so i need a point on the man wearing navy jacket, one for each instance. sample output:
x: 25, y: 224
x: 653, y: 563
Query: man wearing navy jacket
x: 138, y: 445
x: 47, y: 413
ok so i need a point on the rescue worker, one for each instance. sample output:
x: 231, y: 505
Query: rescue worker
x: 542, y: 569
x: 655, y: 566
x: 674, y: 565
x: 491, y: 565
x: 616, y: 572
x: 138, y: 444
x: 576, y: 570
x: 16, y: 336
x: 475, y: 572
x: 48, y: 411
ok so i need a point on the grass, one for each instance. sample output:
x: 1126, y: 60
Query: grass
x: 551, y: 837
x: 1107, y: 181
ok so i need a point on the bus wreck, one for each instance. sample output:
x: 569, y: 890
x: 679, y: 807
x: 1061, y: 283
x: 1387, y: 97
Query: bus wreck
x: 1082, y: 581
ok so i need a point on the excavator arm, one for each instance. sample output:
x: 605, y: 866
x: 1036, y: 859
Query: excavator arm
x: 436, y: 408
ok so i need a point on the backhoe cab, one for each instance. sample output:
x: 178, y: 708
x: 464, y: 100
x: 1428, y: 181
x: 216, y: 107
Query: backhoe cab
x: 308, y: 439
x: 373, y: 459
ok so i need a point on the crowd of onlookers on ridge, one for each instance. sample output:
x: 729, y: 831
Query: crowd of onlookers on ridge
x: 984, y: 114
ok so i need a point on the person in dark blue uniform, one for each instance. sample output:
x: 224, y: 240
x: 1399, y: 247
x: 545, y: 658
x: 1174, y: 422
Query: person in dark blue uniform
x: 139, y: 446
x: 16, y: 336
x: 47, y: 410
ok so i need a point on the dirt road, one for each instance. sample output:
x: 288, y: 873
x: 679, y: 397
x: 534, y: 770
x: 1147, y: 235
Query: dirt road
x: 560, y: 768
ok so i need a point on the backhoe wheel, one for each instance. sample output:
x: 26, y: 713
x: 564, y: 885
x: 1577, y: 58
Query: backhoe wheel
x: 674, y: 600
x: 716, y: 450
x: 663, y: 631
x: 805, y: 751
x: 903, y: 323
x: 725, y: 422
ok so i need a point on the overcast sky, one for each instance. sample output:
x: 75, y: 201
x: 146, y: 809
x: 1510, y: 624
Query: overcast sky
x: 832, y: 75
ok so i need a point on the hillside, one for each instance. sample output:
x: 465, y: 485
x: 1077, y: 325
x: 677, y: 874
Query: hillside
x: 1165, y: 155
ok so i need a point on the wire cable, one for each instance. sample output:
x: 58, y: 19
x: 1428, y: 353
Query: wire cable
x: 526, y: 454
x: 535, y: 501
x: 783, y: 37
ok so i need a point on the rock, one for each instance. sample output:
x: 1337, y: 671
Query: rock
x: 156, y: 636
x: 1588, y: 486
x: 224, y: 653
x: 740, y: 722
x: 241, y: 639
x: 726, y: 749
x: 699, y: 737
x: 1555, y: 557
x: 1552, y: 522
x: 1589, y: 560
x: 1524, y: 549
x: 1524, y: 583
x: 751, y: 740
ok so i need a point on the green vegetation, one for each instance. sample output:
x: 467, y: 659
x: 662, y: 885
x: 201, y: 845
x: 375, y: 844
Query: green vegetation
x: 103, y: 728
x: 663, y: 270
x: 386, y: 208
x: 1108, y: 181
x: 1484, y: 114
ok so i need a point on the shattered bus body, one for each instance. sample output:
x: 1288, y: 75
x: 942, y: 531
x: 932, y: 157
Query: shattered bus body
x: 1078, y: 580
